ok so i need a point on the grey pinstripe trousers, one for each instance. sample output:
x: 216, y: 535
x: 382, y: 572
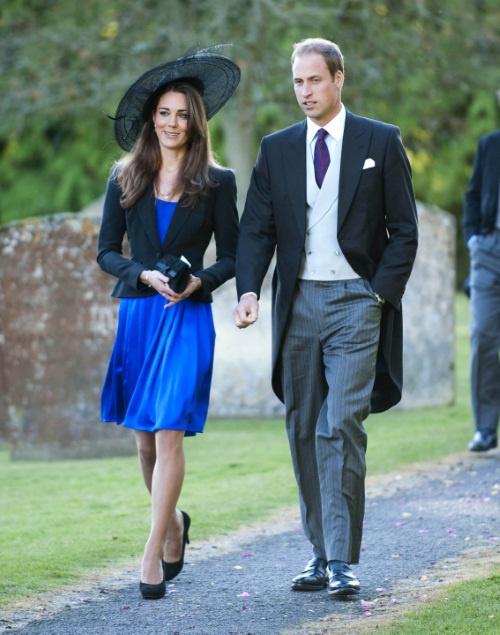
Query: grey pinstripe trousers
x: 329, y: 356
x: 485, y: 330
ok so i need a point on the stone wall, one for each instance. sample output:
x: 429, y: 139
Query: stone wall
x: 56, y: 327
x: 429, y: 314
x: 57, y: 324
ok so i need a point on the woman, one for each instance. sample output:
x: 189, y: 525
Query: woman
x: 168, y: 196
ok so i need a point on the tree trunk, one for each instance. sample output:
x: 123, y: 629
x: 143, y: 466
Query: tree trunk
x: 239, y: 132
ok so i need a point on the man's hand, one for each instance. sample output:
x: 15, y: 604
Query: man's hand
x: 246, y: 311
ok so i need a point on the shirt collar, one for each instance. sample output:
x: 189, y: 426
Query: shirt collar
x: 335, y: 127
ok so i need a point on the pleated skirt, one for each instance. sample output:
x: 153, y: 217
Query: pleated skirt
x: 160, y: 369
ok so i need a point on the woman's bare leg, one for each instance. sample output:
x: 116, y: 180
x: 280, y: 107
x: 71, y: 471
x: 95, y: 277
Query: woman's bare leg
x: 146, y: 452
x: 166, y: 484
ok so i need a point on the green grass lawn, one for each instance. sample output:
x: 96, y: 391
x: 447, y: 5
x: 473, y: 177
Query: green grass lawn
x: 60, y: 519
x: 464, y: 609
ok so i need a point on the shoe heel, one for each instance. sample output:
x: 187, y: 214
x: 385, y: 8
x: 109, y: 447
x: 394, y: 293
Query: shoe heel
x: 187, y: 525
x: 172, y: 569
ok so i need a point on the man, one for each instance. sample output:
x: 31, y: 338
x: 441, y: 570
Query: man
x: 333, y: 196
x: 482, y: 234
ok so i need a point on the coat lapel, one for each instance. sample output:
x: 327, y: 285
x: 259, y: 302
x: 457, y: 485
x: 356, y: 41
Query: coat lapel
x: 180, y: 217
x: 294, y: 162
x: 354, y: 149
x: 147, y: 211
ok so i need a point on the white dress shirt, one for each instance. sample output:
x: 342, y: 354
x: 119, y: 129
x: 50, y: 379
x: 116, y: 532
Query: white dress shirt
x: 335, y: 129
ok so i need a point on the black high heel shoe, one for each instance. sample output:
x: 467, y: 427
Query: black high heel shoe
x: 152, y: 591
x: 172, y: 569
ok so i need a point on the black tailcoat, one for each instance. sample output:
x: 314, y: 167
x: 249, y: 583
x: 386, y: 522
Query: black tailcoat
x: 377, y: 231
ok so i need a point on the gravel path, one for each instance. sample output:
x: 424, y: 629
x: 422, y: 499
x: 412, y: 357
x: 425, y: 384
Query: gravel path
x: 414, y: 522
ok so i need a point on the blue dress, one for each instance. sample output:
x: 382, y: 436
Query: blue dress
x: 160, y: 370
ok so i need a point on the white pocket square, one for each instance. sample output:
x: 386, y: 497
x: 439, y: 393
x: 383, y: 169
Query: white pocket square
x: 369, y: 163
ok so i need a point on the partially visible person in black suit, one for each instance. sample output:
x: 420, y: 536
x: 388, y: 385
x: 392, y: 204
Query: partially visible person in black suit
x: 168, y: 196
x: 481, y: 221
x: 332, y: 195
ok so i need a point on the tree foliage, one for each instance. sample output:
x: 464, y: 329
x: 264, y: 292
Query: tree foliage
x: 428, y: 66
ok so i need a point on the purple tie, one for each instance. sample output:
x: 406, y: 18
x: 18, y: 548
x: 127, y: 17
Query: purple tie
x: 321, y: 156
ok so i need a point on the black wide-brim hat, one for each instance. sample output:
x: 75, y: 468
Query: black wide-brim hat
x: 215, y: 76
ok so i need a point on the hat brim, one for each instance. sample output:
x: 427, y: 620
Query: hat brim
x: 217, y: 76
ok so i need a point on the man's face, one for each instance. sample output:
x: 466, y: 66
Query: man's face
x: 317, y: 92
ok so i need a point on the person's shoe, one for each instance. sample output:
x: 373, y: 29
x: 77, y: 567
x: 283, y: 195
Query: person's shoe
x: 152, y: 591
x: 313, y: 578
x: 172, y: 569
x: 483, y: 441
x: 341, y: 580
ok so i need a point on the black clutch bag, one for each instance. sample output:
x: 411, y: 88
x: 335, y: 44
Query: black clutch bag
x: 177, y: 269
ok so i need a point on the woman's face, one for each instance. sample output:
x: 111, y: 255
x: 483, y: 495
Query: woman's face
x: 171, y: 120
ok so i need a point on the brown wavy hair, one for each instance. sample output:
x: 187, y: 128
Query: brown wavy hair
x: 137, y: 170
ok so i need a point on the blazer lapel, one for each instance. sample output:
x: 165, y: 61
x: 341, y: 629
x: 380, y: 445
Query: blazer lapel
x: 180, y: 217
x: 354, y: 149
x: 147, y: 211
x: 294, y: 162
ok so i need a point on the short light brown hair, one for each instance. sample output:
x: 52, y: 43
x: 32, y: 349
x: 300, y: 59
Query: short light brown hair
x: 329, y: 50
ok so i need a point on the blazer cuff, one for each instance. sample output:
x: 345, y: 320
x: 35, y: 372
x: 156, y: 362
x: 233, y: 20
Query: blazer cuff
x: 133, y: 276
x: 205, y: 281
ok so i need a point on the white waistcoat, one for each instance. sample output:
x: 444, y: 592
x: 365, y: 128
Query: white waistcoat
x: 323, y: 259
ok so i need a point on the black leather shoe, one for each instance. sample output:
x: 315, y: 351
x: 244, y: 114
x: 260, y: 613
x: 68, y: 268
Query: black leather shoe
x: 172, y: 569
x: 152, y: 591
x: 342, y: 581
x: 482, y: 442
x: 313, y: 578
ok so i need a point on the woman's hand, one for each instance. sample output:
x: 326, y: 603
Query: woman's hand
x: 173, y: 298
x: 157, y: 281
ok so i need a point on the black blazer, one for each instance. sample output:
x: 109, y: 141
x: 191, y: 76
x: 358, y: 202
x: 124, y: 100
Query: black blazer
x: 189, y: 234
x: 377, y: 230
x: 481, y: 197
